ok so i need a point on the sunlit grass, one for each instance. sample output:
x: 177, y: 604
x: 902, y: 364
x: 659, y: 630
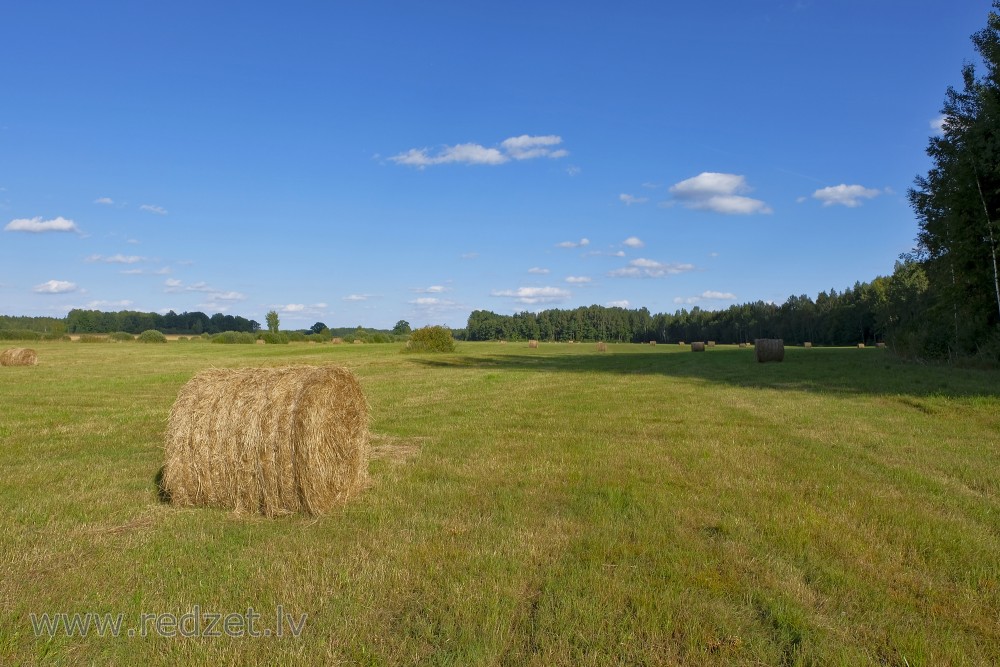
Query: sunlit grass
x: 552, y: 506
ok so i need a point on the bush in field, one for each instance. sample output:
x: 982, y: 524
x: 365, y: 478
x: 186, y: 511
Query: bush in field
x: 234, y: 337
x: 431, y: 339
x: 121, y: 337
x: 90, y: 338
x: 19, y: 334
x: 274, y: 338
x: 294, y: 336
x: 152, y: 336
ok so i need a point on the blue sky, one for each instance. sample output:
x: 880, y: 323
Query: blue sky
x: 361, y: 163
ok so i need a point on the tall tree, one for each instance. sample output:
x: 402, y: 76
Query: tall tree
x: 958, y: 204
x: 272, y: 321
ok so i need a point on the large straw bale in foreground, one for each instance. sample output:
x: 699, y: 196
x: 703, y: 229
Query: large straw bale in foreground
x: 769, y: 349
x: 18, y: 356
x: 533, y: 344
x: 271, y: 441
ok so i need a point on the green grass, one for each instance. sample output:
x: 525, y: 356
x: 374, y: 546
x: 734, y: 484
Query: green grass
x: 552, y: 506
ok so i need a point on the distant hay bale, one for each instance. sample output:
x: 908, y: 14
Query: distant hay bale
x: 337, y: 341
x: 697, y: 347
x: 879, y: 344
x: 711, y: 343
x: 680, y: 342
x: 743, y: 344
x: 358, y: 341
x: 533, y: 344
x: 260, y: 341
x: 807, y: 344
x: 652, y: 342
x: 18, y: 356
x: 602, y: 347
x: 503, y: 342
x: 861, y: 346
x: 269, y: 441
x: 769, y: 349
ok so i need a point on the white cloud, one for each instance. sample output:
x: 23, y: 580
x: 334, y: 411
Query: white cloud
x: 707, y: 295
x: 356, y: 297
x: 631, y: 199
x: 527, y: 147
x: 37, y: 225
x: 721, y: 193
x: 845, y: 195
x: 633, y: 242
x: 55, y: 287
x: 648, y: 268
x: 153, y: 208
x: 107, y: 201
x: 433, y: 289
x: 173, y: 285
x: 537, y: 270
x: 117, y: 259
x: 124, y: 303
x: 133, y: 242
x: 577, y: 280
x: 574, y: 244
x: 618, y: 304
x: 524, y: 147
x: 652, y: 186
x: 937, y: 124
x: 132, y: 272
x: 532, y: 295
x: 426, y: 301
x: 573, y: 170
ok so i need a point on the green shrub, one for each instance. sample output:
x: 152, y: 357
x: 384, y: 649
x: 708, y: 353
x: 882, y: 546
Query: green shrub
x: 431, y: 339
x: 234, y: 338
x: 121, y: 336
x: 19, y: 334
x: 274, y: 338
x: 152, y: 336
x: 294, y: 336
x: 90, y: 338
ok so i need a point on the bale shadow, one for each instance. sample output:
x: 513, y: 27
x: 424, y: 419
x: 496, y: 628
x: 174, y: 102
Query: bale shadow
x: 823, y: 370
x: 162, y: 494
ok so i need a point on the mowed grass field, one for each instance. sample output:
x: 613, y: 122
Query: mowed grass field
x: 556, y: 506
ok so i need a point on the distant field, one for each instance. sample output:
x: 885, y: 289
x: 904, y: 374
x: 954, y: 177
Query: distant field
x: 560, y: 506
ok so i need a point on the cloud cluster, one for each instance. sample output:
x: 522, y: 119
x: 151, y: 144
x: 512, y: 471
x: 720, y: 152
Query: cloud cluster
x: 433, y: 289
x: 153, y: 208
x: 577, y: 280
x: 524, y: 147
x: 721, y: 193
x: 55, y: 287
x: 533, y: 295
x: 537, y: 270
x: 649, y: 268
x: 173, y: 286
x: 574, y: 244
x: 845, y: 195
x: 37, y: 225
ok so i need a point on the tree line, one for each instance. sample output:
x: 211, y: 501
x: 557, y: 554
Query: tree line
x: 865, y: 313
x: 97, y: 321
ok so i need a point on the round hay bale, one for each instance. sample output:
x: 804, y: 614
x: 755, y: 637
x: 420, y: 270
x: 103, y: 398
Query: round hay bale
x: 269, y: 441
x: 602, y: 347
x: 807, y: 344
x: 743, y: 344
x: 861, y: 346
x: 769, y: 349
x: 260, y: 341
x: 879, y: 344
x: 503, y: 342
x: 18, y: 356
x: 652, y: 342
x: 532, y: 344
x: 680, y: 342
x: 697, y: 347
x: 711, y: 343
x: 337, y: 341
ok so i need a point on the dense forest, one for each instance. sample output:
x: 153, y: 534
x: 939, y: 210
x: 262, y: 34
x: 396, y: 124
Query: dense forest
x: 96, y: 321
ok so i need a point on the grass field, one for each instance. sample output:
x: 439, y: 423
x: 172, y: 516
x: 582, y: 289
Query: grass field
x: 549, y: 507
